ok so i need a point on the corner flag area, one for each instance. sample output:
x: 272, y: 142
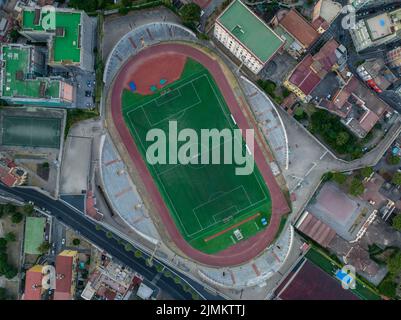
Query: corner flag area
x: 214, y: 210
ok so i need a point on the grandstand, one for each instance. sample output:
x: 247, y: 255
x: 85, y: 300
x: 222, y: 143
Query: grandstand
x: 135, y: 40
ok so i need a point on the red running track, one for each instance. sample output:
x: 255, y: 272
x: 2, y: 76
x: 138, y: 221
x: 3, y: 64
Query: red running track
x: 243, y: 251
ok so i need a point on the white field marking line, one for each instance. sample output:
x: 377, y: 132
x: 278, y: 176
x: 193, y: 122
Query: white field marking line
x: 174, y: 208
x: 180, y: 164
x: 183, y: 81
x: 129, y: 112
x: 232, y: 127
x: 250, y: 204
x: 171, y: 115
x: 159, y: 178
x: 150, y: 125
x: 254, y: 174
x: 168, y: 100
x: 231, y: 216
x: 223, y: 109
x: 214, y: 199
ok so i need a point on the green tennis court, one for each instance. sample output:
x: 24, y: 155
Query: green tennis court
x: 31, y: 131
x: 208, y: 202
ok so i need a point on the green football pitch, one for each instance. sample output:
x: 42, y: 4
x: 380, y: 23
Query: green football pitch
x: 207, y: 202
x: 31, y: 131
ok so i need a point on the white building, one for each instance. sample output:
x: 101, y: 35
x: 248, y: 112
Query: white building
x: 246, y: 36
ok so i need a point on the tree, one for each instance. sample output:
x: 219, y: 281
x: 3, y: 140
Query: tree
x: 14, y: 35
x: 17, y: 217
x: 342, y: 138
x: 138, y: 254
x: 394, y: 263
x: 366, y: 172
x: 388, y: 288
x: 356, y: 187
x: 128, y: 247
x: 396, y: 178
x: 10, y: 237
x: 123, y: 11
x: 3, y: 244
x: 393, y: 160
x: 159, y: 268
x: 76, y: 242
x: 109, y: 235
x: 9, y: 209
x: 126, y: 3
x: 397, y: 222
x: 10, y: 272
x: 44, y: 247
x: 339, y: 177
x: 3, y: 294
x: 28, y: 209
x: 190, y: 13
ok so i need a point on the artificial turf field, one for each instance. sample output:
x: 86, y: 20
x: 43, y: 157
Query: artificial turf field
x: 31, y: 132
x: 207, y: 202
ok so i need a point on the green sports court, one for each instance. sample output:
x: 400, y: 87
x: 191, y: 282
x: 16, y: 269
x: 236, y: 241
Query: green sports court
x: 30, y: 131
x: 209, y: 203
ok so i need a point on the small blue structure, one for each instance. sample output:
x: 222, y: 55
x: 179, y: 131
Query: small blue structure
x: 163, y: 81
x: 343, y: 276
x: 396, y: 150
x: 264, y: 221
x: 153, y: 88
x: 132, y: 86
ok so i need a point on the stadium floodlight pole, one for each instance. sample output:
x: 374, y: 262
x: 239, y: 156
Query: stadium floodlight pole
x: 153, y: 253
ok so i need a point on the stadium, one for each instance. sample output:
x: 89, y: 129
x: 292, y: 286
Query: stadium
x: 206, y: 211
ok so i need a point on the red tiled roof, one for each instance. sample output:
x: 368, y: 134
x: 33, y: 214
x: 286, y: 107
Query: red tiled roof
x: 368, y: 121
x: 317, y: 230
x: 7, y: 178
x: 312, y: 69
x: 310, y: 82
x: 64, y: 270
x: 319, y: 22
x: 33, y: 283
x: 299, y: 28
x: 327, y: 55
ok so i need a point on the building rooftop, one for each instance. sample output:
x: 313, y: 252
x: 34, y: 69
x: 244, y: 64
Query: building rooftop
x: 299, y: 28
x: 33, y: 283
x: 315, y: 229
x: 250, y: 30
x: 34, y: 234
x: 343, y: 214
x: 379, y: 26
x: 312, y: 69
x: 17, y: 78
x: 66, y: 36
x: 64, y: 275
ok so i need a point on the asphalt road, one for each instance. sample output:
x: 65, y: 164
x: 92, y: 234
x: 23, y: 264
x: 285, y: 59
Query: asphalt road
x: 77, y: 221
